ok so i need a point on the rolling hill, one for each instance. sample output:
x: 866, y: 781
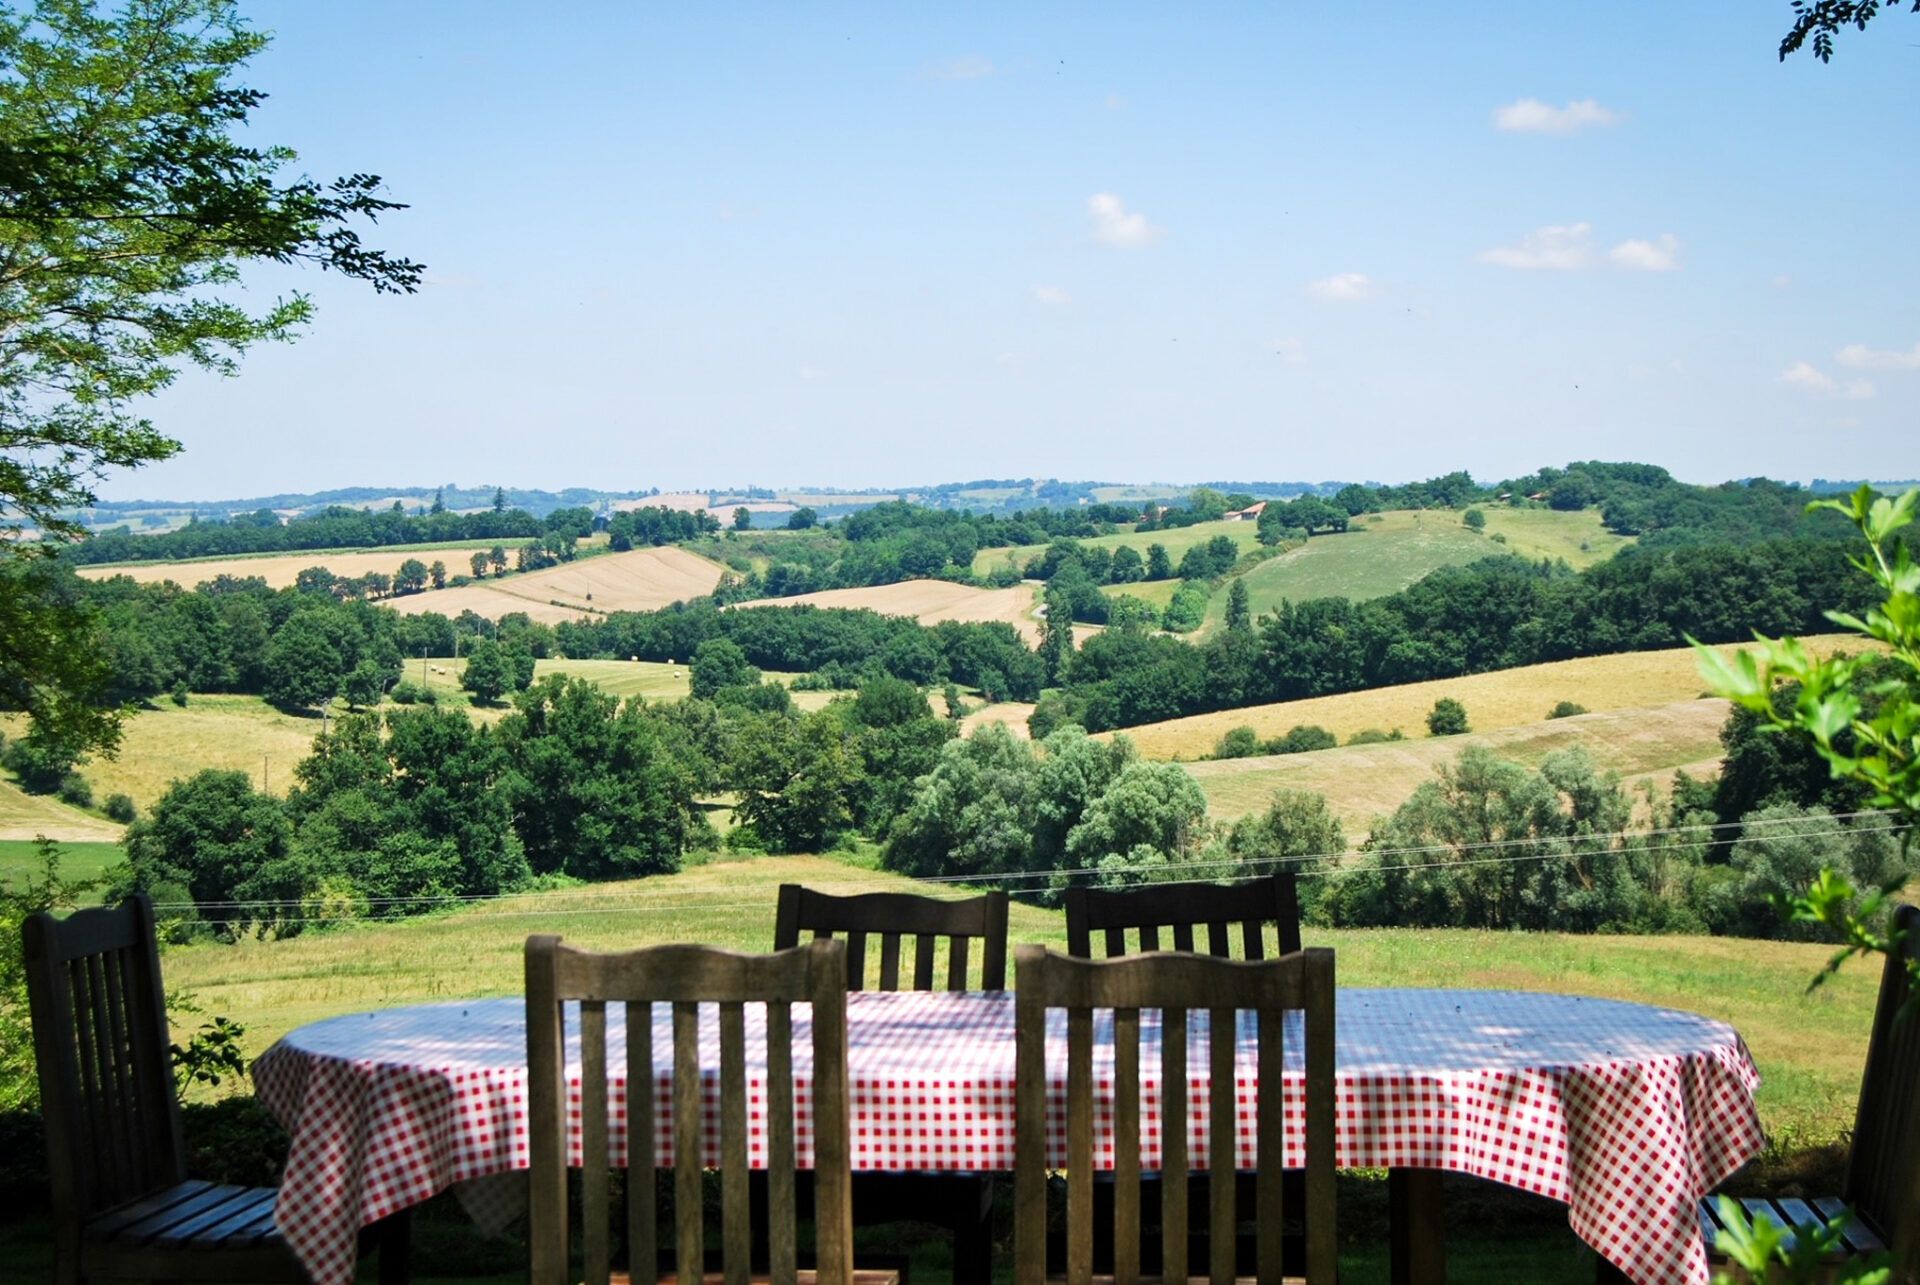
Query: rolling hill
x: 1503, y: 698
x: 637, y: 580
x: 280, y: 569
x: 1362, y: 782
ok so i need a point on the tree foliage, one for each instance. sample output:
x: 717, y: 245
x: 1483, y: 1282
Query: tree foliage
x: 131, y: 197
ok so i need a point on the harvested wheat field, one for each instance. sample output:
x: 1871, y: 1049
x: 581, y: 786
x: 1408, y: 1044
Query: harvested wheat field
x: 930, y: 602
x: 279, y: 569
x: 1012, y: 715
x: 1504, y: 698
x: 639, y: 580
x: 1362, y: 782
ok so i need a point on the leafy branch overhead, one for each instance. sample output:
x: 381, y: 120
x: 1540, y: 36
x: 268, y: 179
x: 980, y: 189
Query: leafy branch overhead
x: 127, y: 208
x: 1821, y: 20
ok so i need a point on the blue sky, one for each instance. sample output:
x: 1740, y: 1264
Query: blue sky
x: 691, y: 245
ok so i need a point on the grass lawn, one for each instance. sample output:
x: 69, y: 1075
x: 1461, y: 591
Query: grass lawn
x: 20, y: 858
x: 1809, y: 1048
x: 1177, y: 541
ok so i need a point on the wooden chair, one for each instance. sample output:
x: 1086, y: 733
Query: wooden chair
x: 1172, y: 983
x: 686, y: 977
x: 123, y: 1206
x: 1882, y: 1191
x: 1227, y: 912
x: 963, y: 1203
x: 1181, y: 908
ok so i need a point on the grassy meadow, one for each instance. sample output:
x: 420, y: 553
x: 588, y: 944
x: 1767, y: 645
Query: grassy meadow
x: 636, y: 580
x: 1809, y: 1047
x: 1362, y: 782
x: 20, y: 858
x: 929, y: 602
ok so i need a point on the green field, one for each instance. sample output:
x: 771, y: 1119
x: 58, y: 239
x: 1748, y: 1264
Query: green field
x: 1809, y: 1047
x: 23, y: 816
x: 1373, y: 559
x: 19, y: 858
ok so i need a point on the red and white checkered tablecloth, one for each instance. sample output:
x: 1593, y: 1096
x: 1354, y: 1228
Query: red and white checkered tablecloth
x: 1628, y: 1114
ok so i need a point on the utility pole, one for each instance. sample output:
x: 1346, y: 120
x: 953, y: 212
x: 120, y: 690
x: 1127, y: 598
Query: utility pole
x: 263, y: 775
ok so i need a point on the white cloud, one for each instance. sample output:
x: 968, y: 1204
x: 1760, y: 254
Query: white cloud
x: 1810, y: 378
x: 1861, y: 357
x: 971, y: 67
x: 1662, y: 255
x: 1113, y: 225
x: 1053, y: 295
x: 1342, y: 286
x: 1291, y: 350
x: 1564, y: 247
x: 1531, y: 116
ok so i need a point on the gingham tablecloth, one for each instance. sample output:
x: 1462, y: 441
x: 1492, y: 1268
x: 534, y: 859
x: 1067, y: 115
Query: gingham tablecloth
x: 1628, y: 1114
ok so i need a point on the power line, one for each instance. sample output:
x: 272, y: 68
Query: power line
x: 551, y: 910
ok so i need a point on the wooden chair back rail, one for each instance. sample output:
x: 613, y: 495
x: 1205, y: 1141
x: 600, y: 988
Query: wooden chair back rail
x: 895, y: 916
x: 1173, y: 984
x: 105, y: 1071
x: 686, y: 976
x: 1883, y: 1167
x: 1180, y: 911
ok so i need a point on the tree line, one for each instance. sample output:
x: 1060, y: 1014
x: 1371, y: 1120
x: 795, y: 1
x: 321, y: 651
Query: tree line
x: 1498, y: 613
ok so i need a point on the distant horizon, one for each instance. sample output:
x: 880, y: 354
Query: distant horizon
x: 420, y: 490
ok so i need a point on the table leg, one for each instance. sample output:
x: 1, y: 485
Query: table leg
x: 393, y: 1236
x: 1418, y: 1227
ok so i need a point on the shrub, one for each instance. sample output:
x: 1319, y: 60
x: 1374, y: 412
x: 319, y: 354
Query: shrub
x: 179, y: 694
x: 1240, y: 743
x: 120, y: 808
x: 1499, y: 537
x: 1448, y: 717
x: 1374, y: 736
x: 408, y: 692
x: 1474, y: 520
x: 75, y: 790
x: 1566, y: 709
x: 1303, y: 738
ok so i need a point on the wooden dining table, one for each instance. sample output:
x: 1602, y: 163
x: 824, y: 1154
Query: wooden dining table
x: 1626, y: 1113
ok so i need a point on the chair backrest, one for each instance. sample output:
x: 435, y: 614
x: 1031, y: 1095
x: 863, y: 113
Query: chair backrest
x: 1179, y: 909
x: 686, y: 977
x: 894, y: 915
x: 100, y: 1042
x: 1883, y: 1166
x: 1174, y: 983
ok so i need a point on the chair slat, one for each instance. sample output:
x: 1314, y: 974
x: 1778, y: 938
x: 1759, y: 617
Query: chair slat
x: 735, y: 1225
x: 1183, y: 937
x: 856, y: 961
x: 1149, y: 937
x: 122, y: 1107
x: 689, y: 1240
x: 643, y: 1230
x: 1270, y: 1146
x: 1218, y: 944
x: 243, y: 1207
x: 1116, y: 943
x: 594, y: 1206
x: 1253, y: 945
x: 110, y: 1225
x: 1079, y: 1146
x: 1030, y: 1135
x: 781, y: 1239
x: 1126, y: 1146
x: 957, y: 965
x: 889, y: 961
x: 924, y: 945
x: 1173, y: 1143
x: 1221, y: 1113
x: 1323, y: 1250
